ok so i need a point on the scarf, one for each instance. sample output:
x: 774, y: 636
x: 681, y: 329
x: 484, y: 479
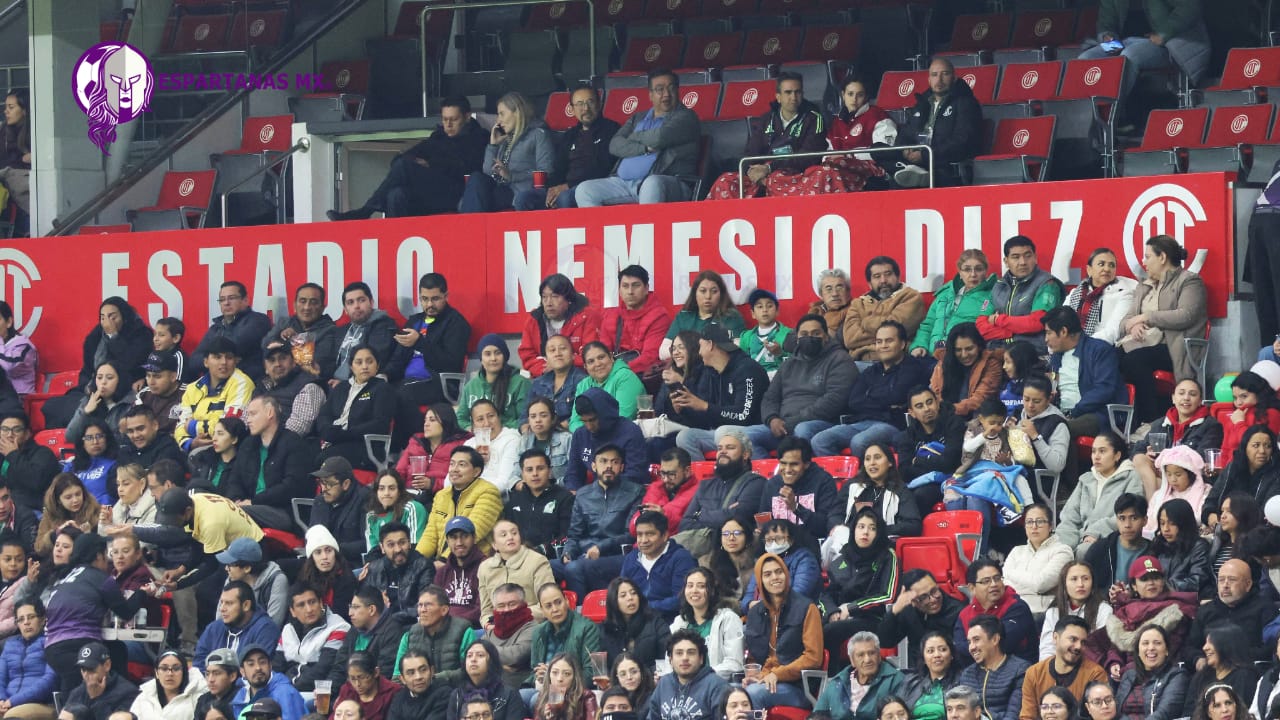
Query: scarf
x: 351, y: 397
x: 1090, y: 310
x: 507, y: 622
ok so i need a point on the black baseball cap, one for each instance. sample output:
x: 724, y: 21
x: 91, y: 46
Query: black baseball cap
x: 172, y: 505
x: 161, y: 361
x: 265, y: 707
x: 720, y: 336
x: 221, y: 346
x: 92, y: 655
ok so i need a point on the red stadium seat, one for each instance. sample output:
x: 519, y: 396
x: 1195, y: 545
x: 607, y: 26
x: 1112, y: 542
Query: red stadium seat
x: 982, y: 80
x: 1233, y: 133
x: 717, y: 50
x: 703, y: 100
x: 646, y: 53
x: 767, y: 467
x: 974, y: 35
x: 1035, y: 30
x: 703, y: 469
x: 59, y: 384
x: 1027, y: 82
x: 571, y: 598
x: 1167, y: 135
x: 55, y: 440
x: 1085, y: 110
x: 729, y: 8
x: 196, y: 33
x: 259, y: 28
x: 1246, y: 78
x: 1020, y: 152
x: 961, y: 527
x: 831, y: 42
x: 593, y: 605
x: 622, y: 103
x: 840, y: 467
x: 264, y: 134
x: 278, y: 543
x: 619, y: 11
x: 939, y: 557
x: 669, y: 9
x: 183, y: 203
x: 772, y: 46
x: 556, y: 15
x: 746, y: 99
x: 559, y: 115
x: 898, y: 89
x: 349, y: 80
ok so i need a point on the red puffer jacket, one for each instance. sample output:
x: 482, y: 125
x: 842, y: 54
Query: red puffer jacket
x: 642, y: 330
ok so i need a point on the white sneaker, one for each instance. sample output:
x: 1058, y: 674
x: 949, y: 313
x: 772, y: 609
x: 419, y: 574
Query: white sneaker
x: 912, y: 176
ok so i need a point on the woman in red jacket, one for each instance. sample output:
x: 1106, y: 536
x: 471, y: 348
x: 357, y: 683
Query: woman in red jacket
x: 859, y: 124
x: 440, y: 435
x: 563, y: 311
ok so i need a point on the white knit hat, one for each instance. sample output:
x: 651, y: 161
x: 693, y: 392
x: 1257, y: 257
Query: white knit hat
x: 318, y: 536
x: 1269, y: 371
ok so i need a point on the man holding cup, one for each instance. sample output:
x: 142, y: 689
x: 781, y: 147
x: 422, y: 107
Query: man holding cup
x: 581, y: 154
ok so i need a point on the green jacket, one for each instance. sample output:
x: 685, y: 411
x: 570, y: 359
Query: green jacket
x: 578, y: 638
x: 751, y: 344
x: 478, y: 387
x: 1170, y: 18
x: 622, y: 384
x: 949, y: 310
x: 835, y: 698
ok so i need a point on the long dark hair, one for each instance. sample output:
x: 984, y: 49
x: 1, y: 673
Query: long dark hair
x: 6, y: 312
x: 1180, y: 513
x: 955, y: 376
x: 23, y: 129
x: 122, y: 381
x: 491, y: 686
x: 1254, y: 383
x: 647, y: 683
x: 82, y: 459
x: 1239, y: 461
x: 448, y: 422
x: 402, y: 499
x: 693, y: 359
x: 714, y: 600
x: 1062, y: 601
x: 1064, y: 695
x: 186, y: 676
x: 1026, y: 360
x: 1145, y: 673
x: 726, y: 302
x: 1201, y: 711
x: 1230, y: 645
x: 1247, y: 513
x: 614, y: 621
x: 722, y: 563
x: 323, y: 582
x: 892, y: 479
x: 953, y: 669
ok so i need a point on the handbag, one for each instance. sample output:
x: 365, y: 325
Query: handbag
x: 659, y: 427
x: 700, y: 541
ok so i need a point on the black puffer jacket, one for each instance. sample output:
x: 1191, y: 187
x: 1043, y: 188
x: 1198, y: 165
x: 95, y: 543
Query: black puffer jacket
x: 957, y: 131
x: 126, y: 351
x: 1162, y: 695
x: 645, y: 636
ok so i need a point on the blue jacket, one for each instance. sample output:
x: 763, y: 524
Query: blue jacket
x: 24, y: 676
x: 258, y: 631
x: 614, y: 430
x: 661, y: 586
x: 1100, y: 380
x: 601, y: 517
x: 881, y: 395
x: 279, y: 689
x: 806, y: 576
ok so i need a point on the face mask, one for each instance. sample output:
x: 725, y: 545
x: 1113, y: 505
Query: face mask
x: 808, y: 346
x: 777, y: 548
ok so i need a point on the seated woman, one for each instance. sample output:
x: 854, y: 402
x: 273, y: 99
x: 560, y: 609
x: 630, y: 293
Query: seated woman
x: 15, y: 148
x: 635, y: 679
x: 1188, y: 424
x: 95, y: 460
x: 66, y: 502
x: 1045, y: 425
x: 1254, y: 470
x: 615, y: 378
x: 482, y: 679
x: 1102, y: 298
x: 497, y: 381
x: 877, y: 485
x: 391, y: 502
x: 967, y: 372
x: 565, y: 695
x: 708, y: 301
x: 172, y: 692
x: 1179, y: 547
x: 364, y: 405
x: 543, y: 432
x: 519, y: 145
x: 631, y: 625
x: 1222, y: 702
x: 733, y: 561
x: 1087, y: 516
x: 1226, y: 662
x: 107, y: 400
x: 804, y: 576
x: 702, y: 609
x: 736, y: 705
x: 784, y: 636
x: 959, y: 301
x: 859, y: 124
x: 559, y: 382
x: 1021, y: 361
x: 924, y: 689
x: 1255, y: 404
x: 431, y: 448
x: 1075, y: 594
x: 18, y: 356
x: 500, y: 452
x: 211, y: 469
x: 326, y: 570
x: 123, y: 338
x: 1168, y: 306
x: 863, y: 583
x: 1156, y: 685
x: 1145, y: 601
x: 684, y: 370
x: 366, y: 688
x: 135, y: 504
x: 1238, y: 514
x: 563, y: 311
x: 1034, y: 569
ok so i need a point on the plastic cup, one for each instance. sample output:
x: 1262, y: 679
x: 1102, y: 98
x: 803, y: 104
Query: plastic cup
x: 763, y: 517
x: 483, y: 436
x: 417, y: 464
x: 323, y: 690
x: 752, y: 671
x: 539, y: 179
x: 1157, y: 441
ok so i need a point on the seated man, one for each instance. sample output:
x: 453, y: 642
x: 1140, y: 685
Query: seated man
x: 270, y: 468
x: 602, y: 425
x: 1067, y: 667
x: 728, y: 391
x: 692, y: 689
x: 222, y: 675
x: 428, y: 178
x: 857, y: 691
x: 999, y: 676
x: 373, y: 631
x: 435, y: 339
x: 811, y: 384
x: 598, y: 528
x: 1111, y: 555
x: 734, y: 489
x: 401, y: 566
x: 239, y: 323
x: 437, y: 635
x: 222, y: 389
x: 634, y: 330
x: 472, y: 497
x: 582, y: 153
x: 299, y: 395
x: 423, y: 698
x: 920, y: 608
x: 802, y: 492
x: 887, y: 298
x: 340, y: 507
x: 310, y: 640
x: 1239, y: 602
x: 656, y: 147
x: 993, y: 598
x: 932, y: 442
x: 781, y: 538
x: 1088, y: 372
x: 658, y: 565
x: 672, y: 492
x: 265, y: 692
x: 27, y: 468
x: 792, y: 125
x: 834, y: 291
x: 511, y: 632
x: 163, y: 391
x: 460, y: 576
x: 541, y: 509
x: 309, y: 335
x: 948, y: 119
x: 1020, y: 298
x: 240, y: 622
x: 878, y: 398
x: 17, y: 525
x: 146, y: 444
x: 366, y: 325
x: 103, y: 691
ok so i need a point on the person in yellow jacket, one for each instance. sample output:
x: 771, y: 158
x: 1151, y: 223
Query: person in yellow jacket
x: 222, y: 389
x: 465, y: 495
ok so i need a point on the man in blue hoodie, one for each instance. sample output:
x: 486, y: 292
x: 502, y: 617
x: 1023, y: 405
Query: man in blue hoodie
x: 260, y: 683
x: 692, y: 690
x: 1088, y: 372
x: 601, y: 425
x: 240, y: 623
x: 658, y: 565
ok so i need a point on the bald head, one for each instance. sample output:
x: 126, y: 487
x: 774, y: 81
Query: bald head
x: 942, y: 74
x: 1235, y: 580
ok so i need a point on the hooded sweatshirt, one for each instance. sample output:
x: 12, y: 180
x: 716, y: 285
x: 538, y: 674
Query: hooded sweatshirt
x: 1090, y: 509
x: 259, y: 630
x: 699, y: 699
x: 817, y: 509
x: 462, y: 583
x: 279, y: 689
x: 863, y: 579
x: 377, y: 332
x: 611, y: 430
x: 783, y: 635
x: 621, y: 383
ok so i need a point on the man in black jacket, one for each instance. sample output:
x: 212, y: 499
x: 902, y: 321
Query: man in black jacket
x: 102, y: 691
x: 729, y: 391
x: 340, y: 506
x: 932, y: 442
x: 17, y: 524
x: 240, y: 324
x: 541, y: 508
x: 27, y: 468
x: 374, y: 630
x: 428, y: 178
x: 271, y: 467
x: 310, y: 334
x: 433, y: 341
x: 1237, y: 603
x: 582, y: 153
x: 403, y: 567
x: 147, y: 444
x: 422, y: 699
x: 920, y: 608
x: 948, y: 119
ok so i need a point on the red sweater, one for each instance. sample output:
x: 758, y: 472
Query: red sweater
x: 855, y: 132
x: 674, y: 507
x: 581, y: 328
x: 642, y: 330
x: 375, y: 709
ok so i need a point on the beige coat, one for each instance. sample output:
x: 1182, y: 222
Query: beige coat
x: 1183, y: 313
x: 866, y: 314
x: 526, y: 568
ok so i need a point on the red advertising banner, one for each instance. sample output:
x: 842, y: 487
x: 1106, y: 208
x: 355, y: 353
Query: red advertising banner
x: 494, y: 262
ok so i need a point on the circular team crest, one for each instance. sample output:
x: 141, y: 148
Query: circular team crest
x: 1043, y: 26
x: 267, y: 132
x: 652, y: 52
x: 1174, y: 127
x: 615, y: 6
x: 749, y: 97
x: 980, y: 30
x: 690, y: 98
x: 906, y: 87
x: 830, y: 40
x: 568, y: 109
x: 344, y: 77
x: 1239, y: 123
x: 970, y: 79
x: 856, y: 131
x: 711, y: 50
x: 771, y: 46
x: 186, y: 187
x: 556, y: 11
x: 673, y: 4
x: 256, y: 27
x: 1020, y: 138
x: 629, y: 105
x: 1252, y: 68
x: 1029, y: 79
x: 1092, y: 75
x: 201, y: 32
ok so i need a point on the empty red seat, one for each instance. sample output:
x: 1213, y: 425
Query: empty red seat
x: 669, y: 9
x: 259, y: 28
x: 556, y: 15
x: 772, y: 46
x: 973, y: 35
x: 622, y: 103
x: 746, y: 99
x: 183, y: 203
x: 1233, y: 133
x: 703, y: 100
x: 1026, y: 82
x: 196, y: 33
x: 831, y: 42
x: 1168, y: 133
x: 347, y: 76
x: 898, y: 89
x: 728, y: 8
x: 1020, y: 152
x: 619, y: 11
x: 1246, y: 77
x: 650, y: 52
x: 1043, y: 28
x: 264, y: 134
x: 559, y: 115
x: 982, y: 80
x: 716, y: 50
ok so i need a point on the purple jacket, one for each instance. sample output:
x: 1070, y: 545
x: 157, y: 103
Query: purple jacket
x: 80, y: 602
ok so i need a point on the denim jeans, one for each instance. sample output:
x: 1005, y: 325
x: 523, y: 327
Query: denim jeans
x: 856, y: 437
x: 788, y: 694
x: 1141, y: 53
x: 614, y: 190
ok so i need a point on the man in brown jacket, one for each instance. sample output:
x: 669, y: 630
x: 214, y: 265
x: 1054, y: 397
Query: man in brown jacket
x: 834, y: 289
x: 886, y: 299
x: 1068, y: 667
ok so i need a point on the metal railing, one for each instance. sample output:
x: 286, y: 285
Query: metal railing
x: 742, y: 164
x: 303, y: 145
x: 9, y: 10
x: 427, y: 10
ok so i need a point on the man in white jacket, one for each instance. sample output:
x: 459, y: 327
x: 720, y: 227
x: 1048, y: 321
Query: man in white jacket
x: 310, y: 641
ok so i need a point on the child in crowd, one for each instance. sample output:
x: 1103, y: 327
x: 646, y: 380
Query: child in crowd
x: 763, y: 343
x: 1021, y: 360
x: 1110, y: 556
x: 167, y: 338
x: 1180, y: 467
x: 991, y: 437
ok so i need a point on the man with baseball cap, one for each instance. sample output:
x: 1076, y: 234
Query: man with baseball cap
x: 460, y: 576
x: 265, y: 691
x: 340, y: 506
x: 163, y: 389
x: 102, y: 690
x: 221, y: 389
x: 297, y: 391
x: 728, y: 392
x: 222, y: 675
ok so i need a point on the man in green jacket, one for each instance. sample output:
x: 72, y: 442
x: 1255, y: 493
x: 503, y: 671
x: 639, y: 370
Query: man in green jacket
x: 1152, y: 34
x: 868, y: 671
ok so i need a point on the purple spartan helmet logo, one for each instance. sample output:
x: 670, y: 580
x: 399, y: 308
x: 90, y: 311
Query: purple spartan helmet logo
x: 113, y: 83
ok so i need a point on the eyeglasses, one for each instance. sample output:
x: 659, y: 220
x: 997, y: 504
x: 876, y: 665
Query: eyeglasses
x: 94, y: 438
x: 229, y: 298
x: 13, y: 430
x: 990, y: 580
x: 1036, y: 522
x: 732, y: 533
x: 169, y: 668
x: 482, y: 715
x: 584, y: 104
x: 973, y: 268
x: 1046, y: 707
x: 1101, y: 702
x: 931, y: 595
x: 331, y: 482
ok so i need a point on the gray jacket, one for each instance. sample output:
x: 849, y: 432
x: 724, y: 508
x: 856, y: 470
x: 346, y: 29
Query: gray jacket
x: 1183, y: 312
x: 810, y: 389
x: 676, y: 142
x: 699, y: 700
x: 533, y: 150
x: 709, y: 508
